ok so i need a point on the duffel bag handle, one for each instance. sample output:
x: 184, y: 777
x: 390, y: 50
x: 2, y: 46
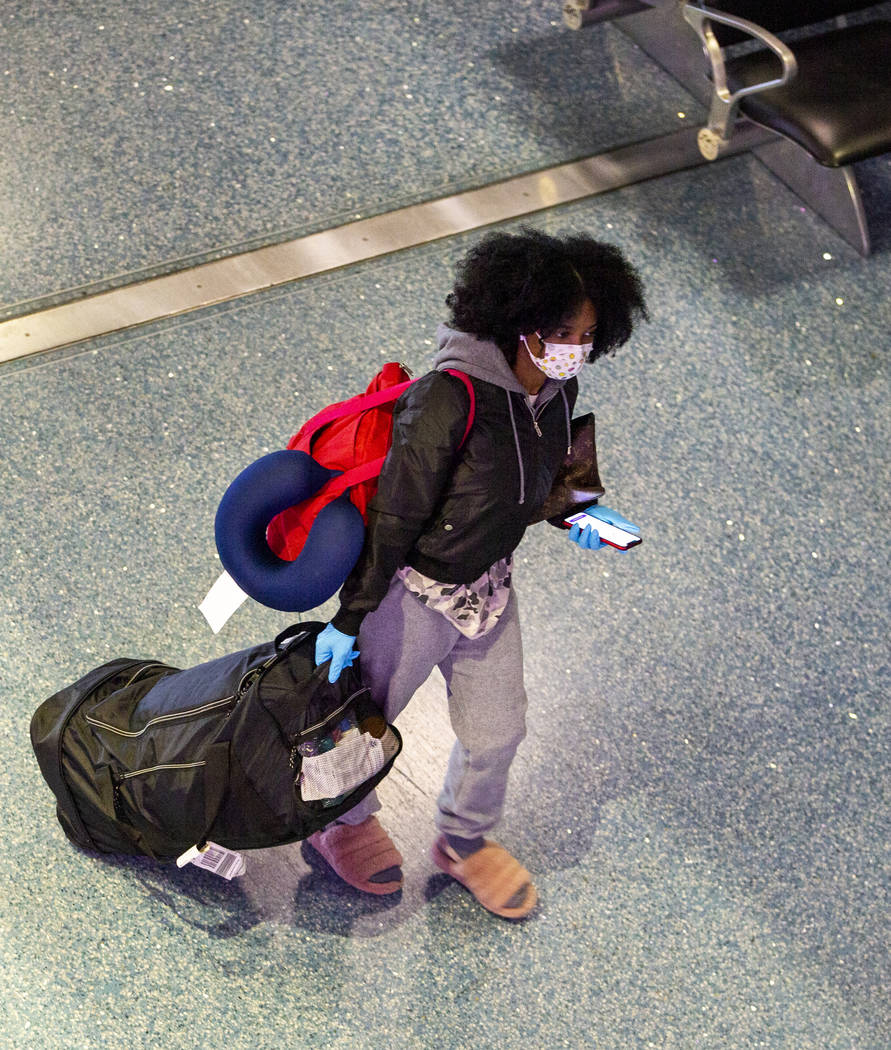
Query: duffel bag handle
x: 295, y: 630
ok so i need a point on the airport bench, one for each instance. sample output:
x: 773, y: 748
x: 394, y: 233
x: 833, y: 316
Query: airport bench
x: 805, y: 70
x: 826, y: 93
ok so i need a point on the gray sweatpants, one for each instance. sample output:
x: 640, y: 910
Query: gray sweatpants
x: 401, y: 642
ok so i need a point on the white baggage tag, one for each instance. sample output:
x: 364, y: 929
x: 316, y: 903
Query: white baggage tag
x: 215, y: 858
x: 221, y: 602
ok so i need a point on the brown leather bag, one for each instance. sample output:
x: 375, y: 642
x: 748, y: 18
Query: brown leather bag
x: 577, y: 484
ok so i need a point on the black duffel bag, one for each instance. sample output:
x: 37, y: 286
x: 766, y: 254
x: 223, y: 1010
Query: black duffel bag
x: 251, y: 750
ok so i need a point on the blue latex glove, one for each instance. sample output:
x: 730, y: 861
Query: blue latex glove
x: 587, y: 538
x: 613, y: 517
x: 337, y: 647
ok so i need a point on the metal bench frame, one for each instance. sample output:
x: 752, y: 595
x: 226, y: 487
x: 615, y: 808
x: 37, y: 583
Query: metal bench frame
x: 660, y: 28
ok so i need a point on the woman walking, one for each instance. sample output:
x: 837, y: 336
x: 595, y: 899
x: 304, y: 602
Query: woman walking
x: 433, y: 586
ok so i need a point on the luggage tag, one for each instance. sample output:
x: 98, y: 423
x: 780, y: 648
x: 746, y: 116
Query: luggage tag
x: 221, y: 602
x: 215, y: 858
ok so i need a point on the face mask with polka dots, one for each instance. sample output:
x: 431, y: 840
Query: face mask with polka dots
x: 560, y: 360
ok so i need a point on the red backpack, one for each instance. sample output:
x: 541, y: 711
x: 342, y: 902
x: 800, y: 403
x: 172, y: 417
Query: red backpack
x: 352, y: 436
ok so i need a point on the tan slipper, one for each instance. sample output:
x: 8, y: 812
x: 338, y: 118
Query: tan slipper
x: 492, y: 875
x: 359, y: 852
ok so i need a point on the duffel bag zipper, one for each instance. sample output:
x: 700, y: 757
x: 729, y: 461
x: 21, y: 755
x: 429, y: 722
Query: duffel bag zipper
x: 335, y: 713
x: 295, y: 741
x: 74, y: 710
x: 60, y: 746
x: 119, y: 778
x: 164, y: 765
x: 160, y: 719
x: 253, y: 675
x: 213, y: 705
x: 143, y: 670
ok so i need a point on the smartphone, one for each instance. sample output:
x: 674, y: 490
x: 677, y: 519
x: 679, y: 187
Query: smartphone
x: 622, y: 539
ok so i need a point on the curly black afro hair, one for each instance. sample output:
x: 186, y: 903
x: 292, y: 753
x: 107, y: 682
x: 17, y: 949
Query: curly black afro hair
x: 509, y: 284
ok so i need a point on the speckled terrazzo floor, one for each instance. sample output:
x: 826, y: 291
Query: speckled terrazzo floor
x: 154, y: 133
x: 703, y: 796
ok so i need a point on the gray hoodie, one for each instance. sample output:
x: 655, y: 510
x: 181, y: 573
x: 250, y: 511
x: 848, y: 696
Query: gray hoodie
x: 452, y: 502
x: 483, y: 360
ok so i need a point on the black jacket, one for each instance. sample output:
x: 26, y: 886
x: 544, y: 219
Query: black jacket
x: 451, y: 510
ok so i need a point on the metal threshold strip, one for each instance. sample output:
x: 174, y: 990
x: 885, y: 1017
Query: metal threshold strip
x: 239, y: 275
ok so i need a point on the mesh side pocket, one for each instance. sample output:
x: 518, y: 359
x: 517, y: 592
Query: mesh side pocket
x: 342, y: 769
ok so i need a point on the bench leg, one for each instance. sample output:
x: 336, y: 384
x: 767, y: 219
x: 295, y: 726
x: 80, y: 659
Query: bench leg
x: 832, y: 193
x: 662, y: 33
x: 580, y: 13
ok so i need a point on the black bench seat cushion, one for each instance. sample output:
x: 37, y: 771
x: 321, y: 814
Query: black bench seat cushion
x: 838, y: 107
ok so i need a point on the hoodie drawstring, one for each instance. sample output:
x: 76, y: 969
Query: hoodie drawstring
x: 568, y: 422
x: 513, y: 423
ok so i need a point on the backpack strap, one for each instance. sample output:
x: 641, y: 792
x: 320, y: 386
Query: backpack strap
x: 465, y: 379
x: 354, y: 405
x: 354, y: 476
x: 366, y: 471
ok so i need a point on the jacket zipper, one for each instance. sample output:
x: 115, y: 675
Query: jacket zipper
x: 534, y: 420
